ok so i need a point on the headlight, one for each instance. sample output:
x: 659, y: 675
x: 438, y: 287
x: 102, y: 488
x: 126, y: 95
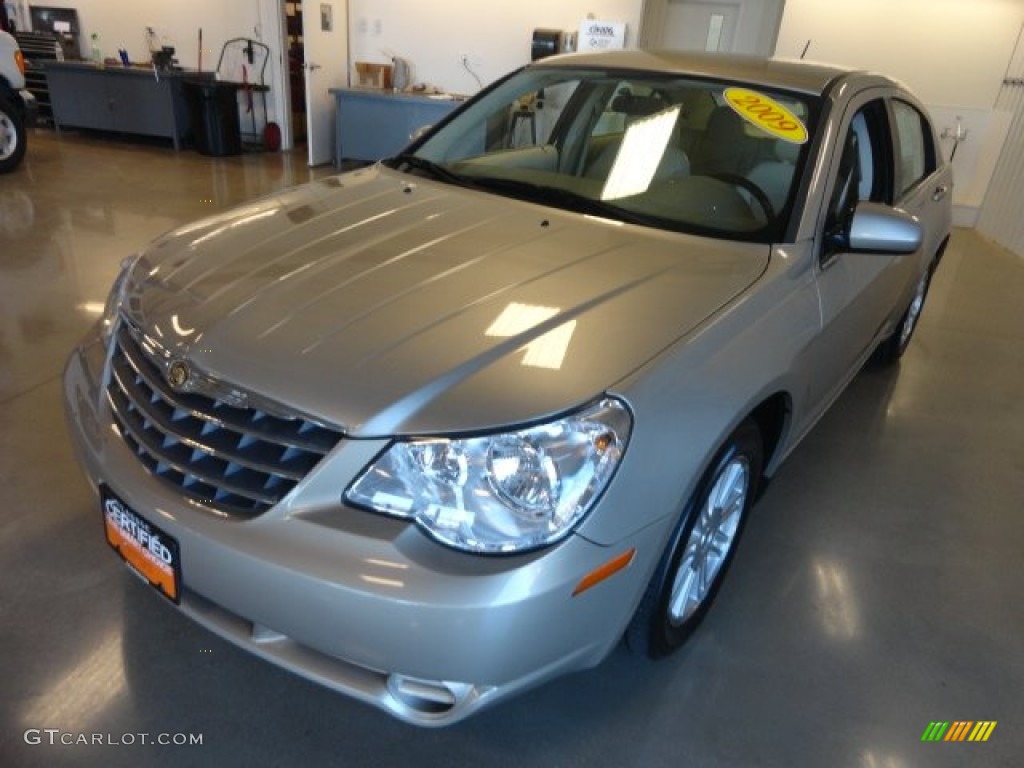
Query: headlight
x: 108, y: 321
x: 502, y: 493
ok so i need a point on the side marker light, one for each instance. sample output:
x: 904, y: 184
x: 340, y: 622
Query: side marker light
x: 605, y: 571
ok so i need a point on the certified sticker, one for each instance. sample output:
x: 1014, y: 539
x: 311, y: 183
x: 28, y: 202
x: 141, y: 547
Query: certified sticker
x: 151, y: 553
x: 767, y: 114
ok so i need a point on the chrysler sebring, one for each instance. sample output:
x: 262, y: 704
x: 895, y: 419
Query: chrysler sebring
x: 438, y: 430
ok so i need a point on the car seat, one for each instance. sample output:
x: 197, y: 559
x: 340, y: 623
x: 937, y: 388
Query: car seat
x: 724, y: 146
x: 775, y: 177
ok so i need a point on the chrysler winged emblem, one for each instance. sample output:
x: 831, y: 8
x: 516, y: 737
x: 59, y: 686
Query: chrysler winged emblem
x: 178, y: 374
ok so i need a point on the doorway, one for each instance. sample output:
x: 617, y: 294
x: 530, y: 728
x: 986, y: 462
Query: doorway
x: 314, y: 60
x: 700, y: 26
x: 295, y: 62
x: 736, y: 26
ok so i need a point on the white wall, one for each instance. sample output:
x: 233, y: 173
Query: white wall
x: 952, y: 53
x: 949, y: 51
x: 495, y: 35
x: 122, y: 23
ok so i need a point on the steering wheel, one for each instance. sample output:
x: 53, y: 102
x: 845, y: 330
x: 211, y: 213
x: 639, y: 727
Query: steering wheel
x: 755, y: 191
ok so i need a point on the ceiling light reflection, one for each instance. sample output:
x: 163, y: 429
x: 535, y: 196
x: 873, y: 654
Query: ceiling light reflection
x: 871, y: 760
x: 78, y: 696
x: 181, y: 331
x: 234, y: 223
x: 382, y: 582
x: 518, y: 318
x: 640, y: 154
x: 387, y: 563
x: 547, y: 350
x: 839, y: 611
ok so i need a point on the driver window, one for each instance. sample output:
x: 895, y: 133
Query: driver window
x: 863, y: 167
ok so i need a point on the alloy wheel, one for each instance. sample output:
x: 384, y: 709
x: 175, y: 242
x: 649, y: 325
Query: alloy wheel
x: 711, y: 539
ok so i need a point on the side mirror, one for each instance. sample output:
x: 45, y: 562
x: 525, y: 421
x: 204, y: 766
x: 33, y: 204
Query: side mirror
x: 879, y: 228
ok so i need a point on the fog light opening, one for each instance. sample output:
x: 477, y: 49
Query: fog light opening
x: 423, y: 696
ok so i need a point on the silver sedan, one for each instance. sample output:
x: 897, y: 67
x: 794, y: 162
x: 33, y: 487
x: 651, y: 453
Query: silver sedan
x: 439, y: 430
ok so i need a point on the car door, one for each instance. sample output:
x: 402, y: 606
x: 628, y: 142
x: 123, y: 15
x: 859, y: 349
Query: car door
x: 858, y: 292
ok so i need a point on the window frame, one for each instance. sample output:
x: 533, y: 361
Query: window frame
x: 878, y: 121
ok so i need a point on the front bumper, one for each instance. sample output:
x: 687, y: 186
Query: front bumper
x: 364, y: 604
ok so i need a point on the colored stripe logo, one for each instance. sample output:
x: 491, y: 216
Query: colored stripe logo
x: 959, y: 730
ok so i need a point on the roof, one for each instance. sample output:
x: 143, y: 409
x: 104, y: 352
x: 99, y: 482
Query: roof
x: 794, y: 75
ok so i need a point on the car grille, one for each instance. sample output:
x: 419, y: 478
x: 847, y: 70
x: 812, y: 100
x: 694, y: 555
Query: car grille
x: 238, y: 461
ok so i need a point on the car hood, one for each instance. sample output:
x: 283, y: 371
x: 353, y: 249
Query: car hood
x: 387, y: 304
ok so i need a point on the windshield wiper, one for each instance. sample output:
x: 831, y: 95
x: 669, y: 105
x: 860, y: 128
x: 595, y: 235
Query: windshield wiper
x: 563, y: 198
x: 429, y: 167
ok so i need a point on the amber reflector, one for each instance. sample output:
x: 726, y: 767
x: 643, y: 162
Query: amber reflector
x: 610, y: 568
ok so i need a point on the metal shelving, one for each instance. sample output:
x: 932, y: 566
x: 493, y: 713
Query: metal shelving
x: 38, y: 48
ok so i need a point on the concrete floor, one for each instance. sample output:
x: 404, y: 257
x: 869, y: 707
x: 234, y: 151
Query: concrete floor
x: 879, y: 586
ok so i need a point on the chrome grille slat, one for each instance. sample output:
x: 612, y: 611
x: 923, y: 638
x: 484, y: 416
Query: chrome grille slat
x: 237, y: 460
x: 276, y: 430
x: 201, y: 470
x: 185, y: 432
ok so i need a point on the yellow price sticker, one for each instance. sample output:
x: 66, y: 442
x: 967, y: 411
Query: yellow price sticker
x: 767, y: 114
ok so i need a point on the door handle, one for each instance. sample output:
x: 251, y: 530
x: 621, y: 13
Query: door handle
x: 940, y: 192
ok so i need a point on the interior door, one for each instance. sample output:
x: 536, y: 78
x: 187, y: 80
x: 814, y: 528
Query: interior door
x: 737, y: 26
x: 325, y: 36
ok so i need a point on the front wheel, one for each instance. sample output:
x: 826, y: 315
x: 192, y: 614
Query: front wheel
x: 12, y: 137
x: 892, y: 349
x: 699, y: 553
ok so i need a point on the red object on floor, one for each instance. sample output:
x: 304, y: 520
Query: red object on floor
x: 272, y: 137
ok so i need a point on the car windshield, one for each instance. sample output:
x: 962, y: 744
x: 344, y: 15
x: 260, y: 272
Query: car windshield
x: 662, y: 150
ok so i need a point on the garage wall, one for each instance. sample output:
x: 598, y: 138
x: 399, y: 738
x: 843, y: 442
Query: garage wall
x: 949, y: 51
x: 1001, y: 213
x: 952, y: 53
x: 122, y: 23
x: 496, y: 36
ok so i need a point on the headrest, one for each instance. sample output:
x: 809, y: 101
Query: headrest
x: 637, y: 106
x: 787, y: 151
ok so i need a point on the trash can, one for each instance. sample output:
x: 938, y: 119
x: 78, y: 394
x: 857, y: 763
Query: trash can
x: 213, y: 109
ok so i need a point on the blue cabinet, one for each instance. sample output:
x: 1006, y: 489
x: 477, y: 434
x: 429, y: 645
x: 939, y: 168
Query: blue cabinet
x: 123, y: 99
x: 373, y: 124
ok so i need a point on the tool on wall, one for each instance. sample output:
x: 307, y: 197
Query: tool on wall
x: 958, y: 135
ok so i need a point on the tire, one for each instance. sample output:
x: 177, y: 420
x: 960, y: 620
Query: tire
x: 12, y: 137
x: 892, y: 349
x: 674, y: 604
